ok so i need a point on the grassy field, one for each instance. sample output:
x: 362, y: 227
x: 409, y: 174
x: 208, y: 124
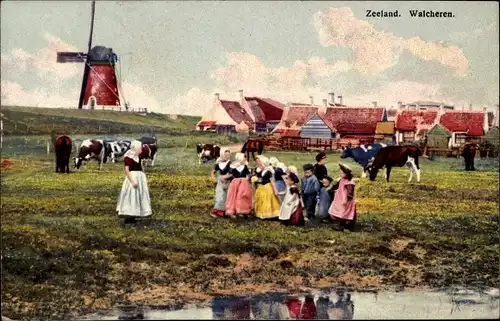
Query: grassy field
x: 37, y: 144
x: 37, y: 120
x: 66, y: 253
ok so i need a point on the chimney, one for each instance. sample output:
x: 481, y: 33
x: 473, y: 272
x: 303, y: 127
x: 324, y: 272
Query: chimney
x: 441, y: 107
x: 374, y: 103
x: 340, y: 100
x: 332, y: 98
x: 217, y: 96
x: 417, y: 106
x: 470, y: 107
x: 241, y: 95
x: 311, y: 98
x: 400, y: 105
x: 325, y: 103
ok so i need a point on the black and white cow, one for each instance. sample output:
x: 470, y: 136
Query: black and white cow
x: 90, y: 149
x: 363, y: 155
x: 207, y: 152
x: 149, y: 149
x: 115, y: 149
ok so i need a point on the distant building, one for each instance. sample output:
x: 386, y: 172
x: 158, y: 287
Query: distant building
x: 327, y: 121
x: 247, y: 114
x: 427, y: 105
x: 413, y: 125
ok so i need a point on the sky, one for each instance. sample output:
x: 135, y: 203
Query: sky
x: 174, y: 55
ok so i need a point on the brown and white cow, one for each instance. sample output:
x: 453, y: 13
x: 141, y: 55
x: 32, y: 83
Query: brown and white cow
x: 395, y: 156
x: 63, y: 147
x: 149, y: 149
x: 207, y: 152
x: 148, y: 154
x: 90, y: 149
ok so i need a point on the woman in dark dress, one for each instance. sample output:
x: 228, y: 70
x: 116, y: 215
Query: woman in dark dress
x: 134, y: 200
x: 219, y: 175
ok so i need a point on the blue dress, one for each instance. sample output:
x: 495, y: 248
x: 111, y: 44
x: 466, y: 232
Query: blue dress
x: 280, y: 183
x: 325, y: 200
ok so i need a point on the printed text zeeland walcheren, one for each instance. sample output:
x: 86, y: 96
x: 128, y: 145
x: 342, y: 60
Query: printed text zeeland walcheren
x: 413, y: 13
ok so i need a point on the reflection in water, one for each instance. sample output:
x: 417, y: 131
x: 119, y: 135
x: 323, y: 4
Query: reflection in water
x: 283, y: 307
x: 319, y: 305
x: 130, y: 313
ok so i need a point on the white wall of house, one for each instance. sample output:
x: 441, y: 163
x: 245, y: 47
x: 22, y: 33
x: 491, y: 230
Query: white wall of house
x: 218, y: 114
x: 453, y: 140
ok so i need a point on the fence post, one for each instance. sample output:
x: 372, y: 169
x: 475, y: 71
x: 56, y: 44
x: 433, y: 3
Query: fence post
x: 1, y: 133
x: 48, y: 147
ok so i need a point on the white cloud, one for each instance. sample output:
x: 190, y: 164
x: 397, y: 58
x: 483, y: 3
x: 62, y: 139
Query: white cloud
x: 15, y: 94
x: 374, y: 50
x: 288, y: 84
x: 194, y: 102
x: 389, y: 93
x: 59, y: 83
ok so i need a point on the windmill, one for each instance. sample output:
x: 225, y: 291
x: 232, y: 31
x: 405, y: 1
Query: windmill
x: 99, y: 84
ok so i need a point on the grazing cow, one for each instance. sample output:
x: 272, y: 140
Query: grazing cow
x: 395, y: 156
x: 469, y: 153
x: 207, y: 152
x: 63, y: 146
x: 148, y: 154
x: 362, y: 154
x: 253, y: 145
x: 150, y: 147
x: 115, y: 149
x: 90, y: 149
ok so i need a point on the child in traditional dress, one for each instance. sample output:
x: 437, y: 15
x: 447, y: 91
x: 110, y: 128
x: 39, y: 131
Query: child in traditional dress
x: 218, y: 174
x: 239, y: 197
x: 320, y: 170
x: 343, y: 208
x: 292, y: 211
x: 325, y: 198
x: 134, y: 201
x: 279, y: 172
x: 310, y: 191
x: 267, y: 204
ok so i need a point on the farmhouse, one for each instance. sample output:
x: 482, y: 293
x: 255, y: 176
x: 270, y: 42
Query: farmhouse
x: 464, y: 126
x: 411, y: 125
x: 327, y: 122
x: 247, y: 114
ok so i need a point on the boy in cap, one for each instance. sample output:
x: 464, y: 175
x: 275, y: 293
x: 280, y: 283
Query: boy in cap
x: 319, y: 169
x: 310, y: 191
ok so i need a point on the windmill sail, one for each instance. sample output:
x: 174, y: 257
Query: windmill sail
x: 65, y: 57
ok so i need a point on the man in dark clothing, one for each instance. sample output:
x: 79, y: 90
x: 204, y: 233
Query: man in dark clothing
x: 319, y: 169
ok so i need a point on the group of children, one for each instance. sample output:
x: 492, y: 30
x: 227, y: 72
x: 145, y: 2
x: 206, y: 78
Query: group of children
x: 271, y: 191
x: 274, y: 191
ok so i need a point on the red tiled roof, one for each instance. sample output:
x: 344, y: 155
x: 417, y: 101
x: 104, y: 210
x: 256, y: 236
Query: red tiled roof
x: 273, y: 110
x: 408, y: 120
x: 206, y: 123
x: 348, y: 120
x: 463, y: 121
x: 258, y: 114
x: 299, y: 114
x: 236, y: 111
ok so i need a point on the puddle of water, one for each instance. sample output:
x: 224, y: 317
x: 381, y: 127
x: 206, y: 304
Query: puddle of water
x: 322, y: 304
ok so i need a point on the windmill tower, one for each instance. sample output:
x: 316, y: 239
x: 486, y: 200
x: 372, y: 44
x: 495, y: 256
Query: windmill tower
x: 99, y: 84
